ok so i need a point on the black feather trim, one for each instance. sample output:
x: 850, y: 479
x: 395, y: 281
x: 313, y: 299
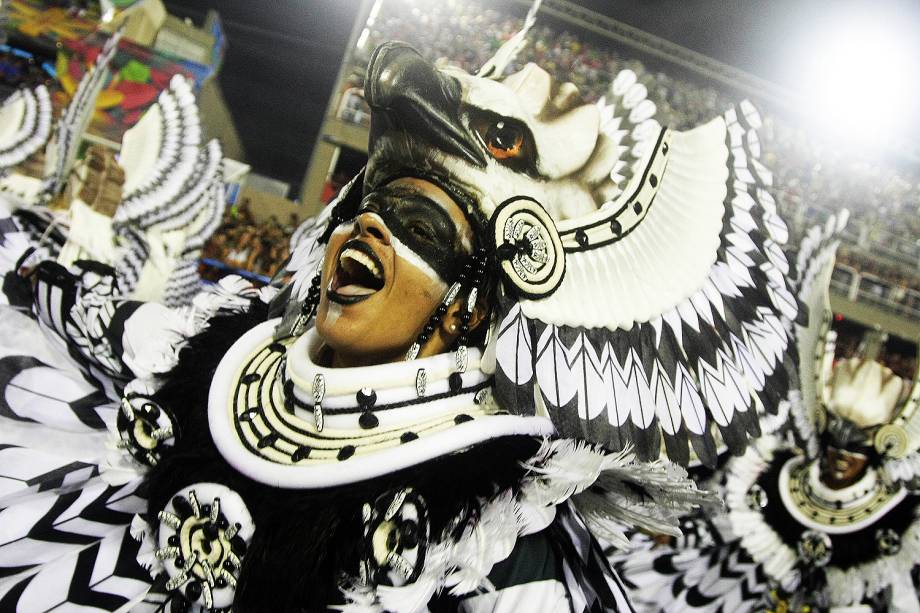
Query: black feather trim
x: 305, y: 540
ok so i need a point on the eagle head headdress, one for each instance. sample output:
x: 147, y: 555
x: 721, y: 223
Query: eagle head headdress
x: 643, y: 292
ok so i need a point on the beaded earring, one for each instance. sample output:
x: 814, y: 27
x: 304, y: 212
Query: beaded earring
x: 308, y: 308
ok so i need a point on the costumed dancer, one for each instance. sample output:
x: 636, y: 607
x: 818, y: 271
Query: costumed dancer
x: 821, y: 520
x: 485, y: 342
x: 147, y: 212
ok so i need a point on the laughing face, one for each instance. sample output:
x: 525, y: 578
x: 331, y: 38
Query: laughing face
x: 387, y: 271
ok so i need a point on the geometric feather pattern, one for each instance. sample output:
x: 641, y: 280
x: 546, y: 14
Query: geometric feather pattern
x: 70, y: 549
x: 814, y: 266
x: 711, y: 575
x: 76, y: 117
x: 707, y: 362
x: 64, y: 531
x: 26, y: 125
x: 172, y: 185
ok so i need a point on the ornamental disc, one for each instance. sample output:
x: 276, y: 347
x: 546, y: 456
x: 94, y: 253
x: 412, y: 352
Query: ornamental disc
x: 528, y: 246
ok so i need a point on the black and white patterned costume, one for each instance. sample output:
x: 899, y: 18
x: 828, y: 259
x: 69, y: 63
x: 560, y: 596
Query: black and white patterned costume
x: 640, y: 299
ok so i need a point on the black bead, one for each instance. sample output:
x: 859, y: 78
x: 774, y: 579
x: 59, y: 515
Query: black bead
x: 506, y: 251
x: 408, y: 436
x: 152, y: 410
x: 238, y: 545
x: 229, y: 565
x: 301, y: 453
x: 173, y: 540
x: 409, y: 534
x: 429, y: 328
x: 182, y: 506
x: 664, y: 148
x: 210, y: 531
x: 616, y: 227
x: 179, y: 562
x: 637, y: 207
x: 220, y: 582
x: 653, y: 180
x: 366, y: 399
x: 222, y: 522
x: 267, y: 440
x: 346, y: 452
x: 276, y: 348
x: 462, y: 418
x: 206, y: 509
x: 368, y: 420
x: 582, y: 238
x: 442, y: 309
x: 250, y: 378
x: 455, y: 381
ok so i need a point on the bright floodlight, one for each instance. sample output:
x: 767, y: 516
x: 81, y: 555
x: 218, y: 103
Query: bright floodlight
x: 860, y: 78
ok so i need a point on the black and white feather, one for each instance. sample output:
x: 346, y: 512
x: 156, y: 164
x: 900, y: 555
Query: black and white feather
x: 675, y: 327
x: 25, y: 125
x: 814, y: 266
x: 76, y: 118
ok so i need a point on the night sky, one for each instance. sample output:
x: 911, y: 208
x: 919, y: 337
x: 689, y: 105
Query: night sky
x: 283, y: 56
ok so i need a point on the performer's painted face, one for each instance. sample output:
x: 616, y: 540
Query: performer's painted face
x: 846, y: 453
x: 386, y: 272
x: 840, y: 468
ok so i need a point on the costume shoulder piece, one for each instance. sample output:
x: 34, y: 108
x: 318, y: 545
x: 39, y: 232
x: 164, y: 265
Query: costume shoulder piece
x: 25, y: 125
x: 644, y: 292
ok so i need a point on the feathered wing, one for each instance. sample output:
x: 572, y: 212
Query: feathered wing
x: 64, y: 538
x: 674, y: 302
x: 814, y: 265
x: 25, y: 125
x: 179, y: 190
x: 77, y: 116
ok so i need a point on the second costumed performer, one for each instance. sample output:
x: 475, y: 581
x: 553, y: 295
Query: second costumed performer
x: 487, y: 342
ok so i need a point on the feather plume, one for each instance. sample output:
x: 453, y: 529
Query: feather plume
x: 495, y: 66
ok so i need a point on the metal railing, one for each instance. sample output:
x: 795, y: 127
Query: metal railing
x: 868, y: 288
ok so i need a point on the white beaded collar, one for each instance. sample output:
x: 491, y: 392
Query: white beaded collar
x: 281, y: 419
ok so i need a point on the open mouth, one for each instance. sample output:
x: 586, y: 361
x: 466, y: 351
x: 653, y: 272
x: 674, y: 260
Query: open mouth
x: 358, y: 274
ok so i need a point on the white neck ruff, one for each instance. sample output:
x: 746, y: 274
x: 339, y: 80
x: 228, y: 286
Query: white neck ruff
x: 281, y: 419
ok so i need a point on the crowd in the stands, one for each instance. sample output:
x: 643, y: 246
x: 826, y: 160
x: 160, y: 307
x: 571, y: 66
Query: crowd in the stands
x: 813, y: 179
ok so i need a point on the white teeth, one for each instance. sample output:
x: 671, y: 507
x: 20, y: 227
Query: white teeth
x: 363, y: 259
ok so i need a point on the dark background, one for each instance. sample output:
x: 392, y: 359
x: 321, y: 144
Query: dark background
x: 283, y: 55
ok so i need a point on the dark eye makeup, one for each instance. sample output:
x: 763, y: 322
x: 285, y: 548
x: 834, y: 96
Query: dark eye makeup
x: 420, y: 224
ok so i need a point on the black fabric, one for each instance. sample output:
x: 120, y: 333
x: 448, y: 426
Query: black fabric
x: 305, y: 540
x: 849, y: 549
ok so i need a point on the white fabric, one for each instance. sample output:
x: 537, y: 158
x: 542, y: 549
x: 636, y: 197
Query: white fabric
x: 223, y: 421
x: 664, y: 260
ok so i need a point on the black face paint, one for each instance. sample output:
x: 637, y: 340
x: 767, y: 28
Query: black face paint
x: 421, y: 225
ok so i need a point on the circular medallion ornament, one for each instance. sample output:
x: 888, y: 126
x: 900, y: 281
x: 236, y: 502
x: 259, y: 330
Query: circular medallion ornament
x: 145, y: 429
x: 528, y: 247
x: 756, y: 498
x: 815, y: 548
x: 888, y: 541
x: 892, y: 441
x: 202, y: 537
x: 396, y: 537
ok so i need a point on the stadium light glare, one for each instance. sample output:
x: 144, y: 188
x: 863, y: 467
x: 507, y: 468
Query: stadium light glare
x: 860, y: 80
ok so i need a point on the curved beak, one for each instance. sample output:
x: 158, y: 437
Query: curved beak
x: 406, y: 93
